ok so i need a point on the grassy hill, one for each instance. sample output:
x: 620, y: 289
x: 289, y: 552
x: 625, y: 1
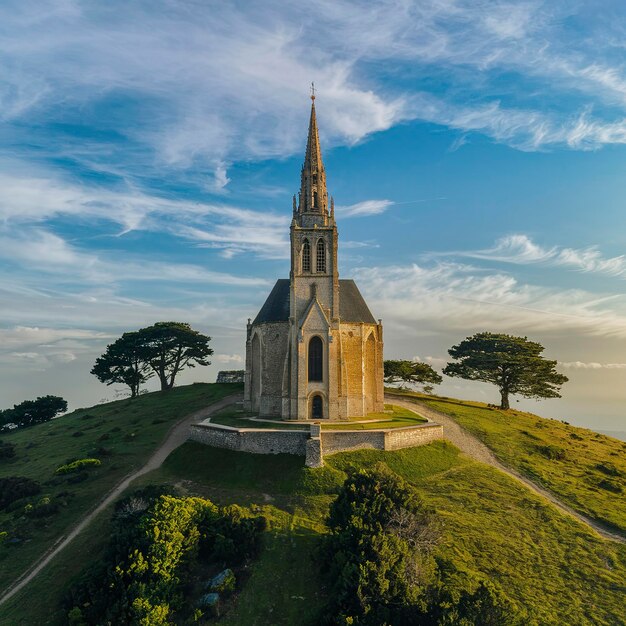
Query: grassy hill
x: 583, y: 468
x: 493, y: 528
x: 121, y: 434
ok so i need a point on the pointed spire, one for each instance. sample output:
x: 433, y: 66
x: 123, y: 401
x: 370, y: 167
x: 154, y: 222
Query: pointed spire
x: 313, y: 195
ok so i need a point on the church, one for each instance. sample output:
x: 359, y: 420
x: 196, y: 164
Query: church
x: 314, y: 351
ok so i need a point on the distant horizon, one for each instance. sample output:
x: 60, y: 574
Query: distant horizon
x: 475, y: 155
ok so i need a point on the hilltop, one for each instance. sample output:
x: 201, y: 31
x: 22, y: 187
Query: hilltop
x: 494, y: 527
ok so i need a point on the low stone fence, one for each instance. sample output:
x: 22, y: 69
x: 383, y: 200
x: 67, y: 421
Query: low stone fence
x: 313, y: 444
x: 383, y: 439
x: 255, y: 440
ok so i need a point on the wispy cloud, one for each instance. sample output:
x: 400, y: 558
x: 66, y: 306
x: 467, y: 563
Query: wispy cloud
x: 364, y: 208
x: 581, y: 365
x: 447, y: 297
x: 521, y: 249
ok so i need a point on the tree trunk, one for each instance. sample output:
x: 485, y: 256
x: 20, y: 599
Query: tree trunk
x: 504, y: 399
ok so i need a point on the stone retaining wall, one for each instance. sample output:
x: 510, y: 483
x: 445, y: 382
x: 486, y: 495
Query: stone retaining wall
x: 312, y: 445
x: 390, y: 439
x: 257, y: 441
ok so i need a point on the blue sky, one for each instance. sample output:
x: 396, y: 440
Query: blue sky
x: 475, y: 150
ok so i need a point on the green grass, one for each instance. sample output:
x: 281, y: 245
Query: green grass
x: 121, y: 434
x: 393, y: 417
x: 585, y: 469
x: 494, y: 527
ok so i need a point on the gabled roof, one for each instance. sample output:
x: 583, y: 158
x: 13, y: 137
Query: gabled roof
x: 352, y: 306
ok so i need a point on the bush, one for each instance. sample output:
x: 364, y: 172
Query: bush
x: 14, y: 488
x: 43, y: 508
x: 234, y: 537
x: 552, y: 452
x: 7, y: 450
x: 155, y: 542
x: 610, y: 485
x: 609, y: 469
x: 78, y: 465
x: 378, y: 553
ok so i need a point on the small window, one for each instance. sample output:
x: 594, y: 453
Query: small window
x: 306, y: 256
x: 321, y: 257
x: 315, y: 207
x: 316, y: 353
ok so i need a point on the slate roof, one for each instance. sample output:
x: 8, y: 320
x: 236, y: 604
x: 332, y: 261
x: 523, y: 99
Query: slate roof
x: 352, y: 307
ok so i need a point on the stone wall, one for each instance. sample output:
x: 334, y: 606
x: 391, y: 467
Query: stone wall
x: 391, y: 439
x: 315, y: 444
x: 255, y: 440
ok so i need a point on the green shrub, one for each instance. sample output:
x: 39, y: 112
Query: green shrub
x: 608, y: 468
x: 14, y: 488
x: 610, y: 485
x: 378, y: 554
x: 78, y: 465
x: 7, y: 450
x: 156, y: 541
x: 552, y: 452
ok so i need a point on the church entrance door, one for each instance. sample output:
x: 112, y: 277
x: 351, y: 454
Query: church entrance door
x: 317, y: 408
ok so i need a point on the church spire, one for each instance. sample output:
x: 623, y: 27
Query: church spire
x: 313, y: 195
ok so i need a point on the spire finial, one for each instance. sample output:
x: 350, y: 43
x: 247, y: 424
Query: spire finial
x: 312, y: 92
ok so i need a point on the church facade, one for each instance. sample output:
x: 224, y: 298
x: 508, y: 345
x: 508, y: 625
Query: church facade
x: 314, y: 351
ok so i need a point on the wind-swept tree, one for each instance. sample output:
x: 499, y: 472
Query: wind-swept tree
x: 513, y: 364
x: 124, y: 361
x: 31, y: 412
x: 169, y: 347
x: 411, y: 373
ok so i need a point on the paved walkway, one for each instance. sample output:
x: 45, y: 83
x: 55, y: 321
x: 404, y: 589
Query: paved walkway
x: 477, y: 450
x: 177, y: 435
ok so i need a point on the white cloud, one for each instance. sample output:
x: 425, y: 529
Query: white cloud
x: 230, y: 84
x: 592, y: 365
x: 365, y: 208
x: 521, y: 249
x: 227, y: 358
x: 453, y: 297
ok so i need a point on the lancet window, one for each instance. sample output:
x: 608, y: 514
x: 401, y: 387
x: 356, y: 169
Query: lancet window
x: 306, y: 256
x: 320, y: 265
x: 316, y: 353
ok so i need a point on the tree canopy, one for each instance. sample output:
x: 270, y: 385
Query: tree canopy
x: 31, y: 412
x: 163, y: 349
x: 411, y: 373
x: 124, y: 362
x: 169, y: 347
x: 513, y: 364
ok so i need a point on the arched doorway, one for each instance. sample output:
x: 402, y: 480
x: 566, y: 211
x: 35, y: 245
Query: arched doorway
x: 317, y: 408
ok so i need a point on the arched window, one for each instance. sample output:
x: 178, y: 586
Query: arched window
x: 321, y: 257
x: 306, y: 256
x: 315, y: 207
x: 316, y: 353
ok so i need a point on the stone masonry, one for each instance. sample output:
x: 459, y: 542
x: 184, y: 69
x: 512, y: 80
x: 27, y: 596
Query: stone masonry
x: 314, y: 351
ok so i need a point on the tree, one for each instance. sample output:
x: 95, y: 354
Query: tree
x: 169, y: 347
x: 378, y: 552
x: 31, y: 412
x: 513, y: 364
x: 124, y: 362
x: 412, y: 373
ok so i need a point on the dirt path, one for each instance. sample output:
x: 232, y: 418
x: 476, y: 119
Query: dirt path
x: 478, y: 451
x: 174, y: 438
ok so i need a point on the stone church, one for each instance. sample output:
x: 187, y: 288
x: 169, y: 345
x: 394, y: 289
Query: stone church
x: 314, y: 351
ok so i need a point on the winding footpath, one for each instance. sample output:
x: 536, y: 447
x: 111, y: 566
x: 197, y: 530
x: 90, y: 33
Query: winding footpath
x: 176, y: 436
x: 477, y: 450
